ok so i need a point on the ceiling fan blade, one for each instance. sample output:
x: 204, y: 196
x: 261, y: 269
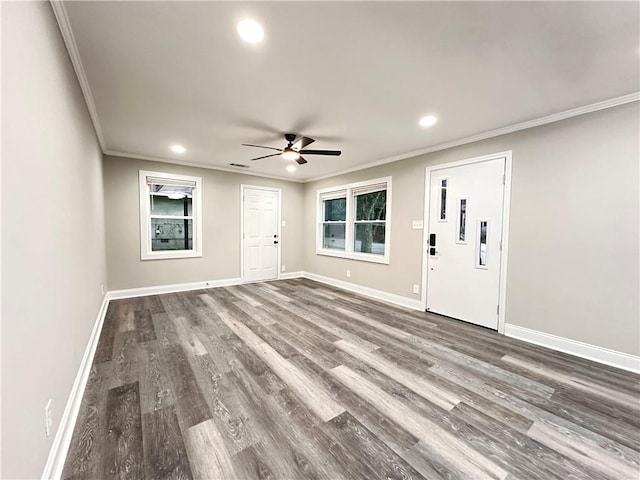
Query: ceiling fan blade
x: 266, y: 156
x: 261, y: 146
x: 321, y: 152
x: 301, y: 161
x: 302, y: 142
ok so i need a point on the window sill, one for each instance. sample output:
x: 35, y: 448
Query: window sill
x: 363, y: 257
x: 170, y: 255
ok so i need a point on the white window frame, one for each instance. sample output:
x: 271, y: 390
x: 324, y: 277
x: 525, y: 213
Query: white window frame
x: 146, y: 253
x: 351, y: 190
x: 333, y: 195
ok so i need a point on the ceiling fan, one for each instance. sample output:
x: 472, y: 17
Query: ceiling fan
x: 295, y: 149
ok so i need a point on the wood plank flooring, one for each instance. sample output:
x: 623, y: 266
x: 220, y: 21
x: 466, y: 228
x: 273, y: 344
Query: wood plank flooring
x: 296, y: 380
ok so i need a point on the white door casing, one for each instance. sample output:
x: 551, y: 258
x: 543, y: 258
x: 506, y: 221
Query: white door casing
x: 260, y: 236
x: 466, y: 277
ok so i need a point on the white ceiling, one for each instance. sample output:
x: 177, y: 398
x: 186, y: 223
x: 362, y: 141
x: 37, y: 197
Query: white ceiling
x: 355, y: 76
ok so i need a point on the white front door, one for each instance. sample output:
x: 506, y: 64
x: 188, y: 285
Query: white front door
x: 261, y: 240
x: 464, y: 233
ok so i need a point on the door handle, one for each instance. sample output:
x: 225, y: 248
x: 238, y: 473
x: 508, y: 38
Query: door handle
x: 275, y: 242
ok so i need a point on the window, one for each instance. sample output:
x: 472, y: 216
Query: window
x: 353, y: 221
x: 369, y: 224
x: 170, y: 216
x: 461, y: 237
x: 334, y: 215
x: 482, y: 251
x: 443, y: 200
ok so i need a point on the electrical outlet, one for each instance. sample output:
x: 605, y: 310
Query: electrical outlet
x: 284, y: 268
x: 348, y: 273
x: 284, y: 223
x: 416, y: 289
x: 47, y: 418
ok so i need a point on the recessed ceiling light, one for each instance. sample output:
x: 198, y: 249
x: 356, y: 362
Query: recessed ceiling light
x: 428, y: 121
x: 250, y: 31
x: 178, y: 148
x: 291, y: 168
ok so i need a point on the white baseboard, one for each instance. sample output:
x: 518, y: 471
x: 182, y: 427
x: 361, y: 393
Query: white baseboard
x: 178, y: 287
x: 366, y: 291
x: 574, y: 347
x: 290, y: 275
x: 62, y: 440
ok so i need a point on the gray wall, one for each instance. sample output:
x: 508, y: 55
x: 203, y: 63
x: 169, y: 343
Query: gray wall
x: 221, y: 226
x: 573, y: 253
x: 53, y: 255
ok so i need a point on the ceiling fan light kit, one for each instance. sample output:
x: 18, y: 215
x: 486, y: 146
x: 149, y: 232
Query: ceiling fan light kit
x: 295, y: 149
x: 290, y: 154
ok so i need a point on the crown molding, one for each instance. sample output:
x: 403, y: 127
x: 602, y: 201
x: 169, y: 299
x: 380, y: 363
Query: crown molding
x: 70, y: 42
x: 173, y: 161
x: 556, y: 117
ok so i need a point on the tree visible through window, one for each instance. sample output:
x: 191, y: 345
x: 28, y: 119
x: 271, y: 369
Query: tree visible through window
x: 369, y: 225
x: 353, y: 220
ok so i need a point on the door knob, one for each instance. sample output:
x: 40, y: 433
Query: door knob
x: 275, y: 242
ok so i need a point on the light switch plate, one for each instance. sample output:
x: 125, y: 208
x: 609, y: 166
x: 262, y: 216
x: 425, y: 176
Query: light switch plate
x: 417, y: 224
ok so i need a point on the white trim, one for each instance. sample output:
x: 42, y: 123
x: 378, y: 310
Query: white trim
x: 177, y: 287
x: 366, y: 291
x: 598, y: 354
x: 350, y: 191
x: 279, y: 226
x: 363, y: 257
x: 291, y: 275
x: 146, y: 253
x: 556, y: 117
x: 70, y: 42
x: 62, y: 440
x: 504, y: 245
x: 506, y: 209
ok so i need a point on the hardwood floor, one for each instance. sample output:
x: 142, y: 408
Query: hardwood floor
x: 297, y: 380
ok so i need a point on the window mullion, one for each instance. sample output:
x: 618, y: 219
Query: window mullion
x: 349, y: 216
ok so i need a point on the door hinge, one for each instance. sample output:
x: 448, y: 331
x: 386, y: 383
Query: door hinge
x: 498, y: 310
x: 500, y: 245
x: 504, y: 178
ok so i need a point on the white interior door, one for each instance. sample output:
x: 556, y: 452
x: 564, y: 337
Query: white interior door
x: 465, y: 231
x: 261, y: 238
